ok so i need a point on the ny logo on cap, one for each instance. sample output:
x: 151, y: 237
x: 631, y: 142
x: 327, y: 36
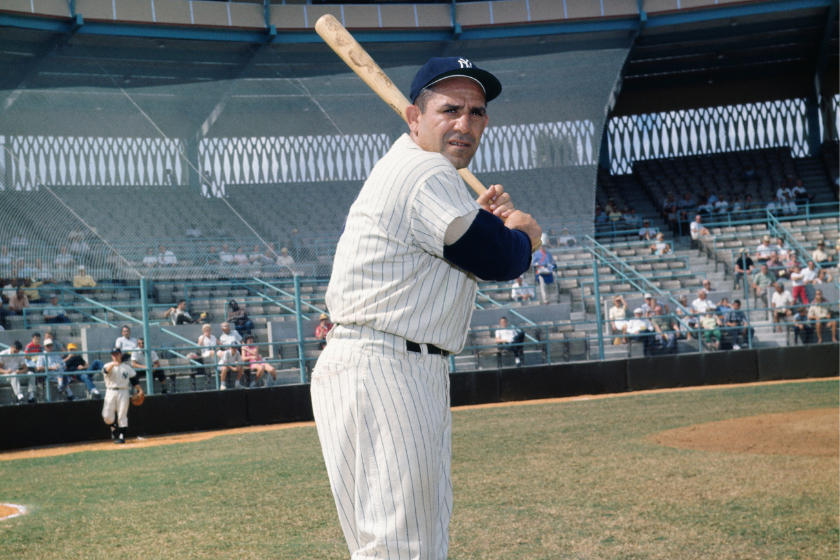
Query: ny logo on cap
x: 465, y: 63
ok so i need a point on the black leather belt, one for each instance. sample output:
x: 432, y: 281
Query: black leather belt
x: 431, y: 348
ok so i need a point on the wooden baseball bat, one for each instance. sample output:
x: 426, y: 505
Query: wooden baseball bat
x: 351, y: 52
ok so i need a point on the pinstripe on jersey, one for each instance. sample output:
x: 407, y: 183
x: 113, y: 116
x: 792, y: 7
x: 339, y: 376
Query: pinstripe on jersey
x: 389, y: 272
x: 385, y: 427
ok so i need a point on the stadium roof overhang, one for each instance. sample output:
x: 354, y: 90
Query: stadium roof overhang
x: 731, y: 54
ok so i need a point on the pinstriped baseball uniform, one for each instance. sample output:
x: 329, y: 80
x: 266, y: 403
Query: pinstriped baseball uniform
x: 382, y: 411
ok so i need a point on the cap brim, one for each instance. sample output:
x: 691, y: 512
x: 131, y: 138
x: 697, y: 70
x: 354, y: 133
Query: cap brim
x: 488, y: 82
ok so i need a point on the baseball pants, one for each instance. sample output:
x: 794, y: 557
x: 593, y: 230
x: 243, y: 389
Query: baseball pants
x: 116, y: 400
x: 385, y: 427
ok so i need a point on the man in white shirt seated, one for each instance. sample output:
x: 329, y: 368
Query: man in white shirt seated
x: 126, y: 343
x: 509, y: 338
x: 702, y: 303
x: 640, y: 326
x: 285, y: 259
x: 781, y: 303
x: 166, y: 258
x: 697, y: 229
x: 521, y: 291
x: 151, y: 259
x: 765, y: 249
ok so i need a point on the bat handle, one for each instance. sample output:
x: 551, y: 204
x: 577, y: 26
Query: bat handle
x: 480, y: 189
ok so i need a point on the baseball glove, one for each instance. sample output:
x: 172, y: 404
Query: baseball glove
x: 138, y: 398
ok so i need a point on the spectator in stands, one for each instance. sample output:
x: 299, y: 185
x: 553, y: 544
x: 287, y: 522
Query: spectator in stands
x: 764, y: 250
x: 800, y: 194
x: 820, y: 313
x: 774, y: 206
x: 510, y: 339
x: 82, y: 279
x: 521, y: 291
x: 39, y: 273
x: 240, y: 257
x: 543, y: 263
x: 737, y: 205
x: 810, y: 273
x: 230, y: 360
x: 723, y: 307
x: 207, y: 342
x: 323, y: 328
x: 697, y: 229
x: 251, y: 355
x: 618, y: 319
x: 721, y: 205
x: 650, y: 304
x: 613, y: 213
x: 76, y: 235
x: 749, y: 203
x: 6, y: 258
x: 823, y: 277
x: 64, y: 258
x: 226, y: 257
x: 702, y: 303
x: 660, y: 247
x: 601, y: 219
x: 788, y: 206
x: 179, y: 315
x: 642, y: 329
x: 239, y: 317
x: 209, y: 259
x: 710, y: 323
x: 775, y: 264
x: 706, y: 207
x: 166, y: 258
x: 667, y: 330
x: 3, y: 314
x: 673, y: 218
x: 568, y: 240
x: 762, y: 280
x: 79, y: 247
x: 667, y: 202
x: 739, y: 328
x: 784, y: 190
x: 744, y: 266
x: 256, y: 255
x: 18, y: 302
x: 193, y: 231
x: 646, y: 233
x: 54, y: 313
x: 125, y: 342
x: 781, y: 303
x: 631, y: 220
x: 802, y: 330
x: 150, y: 260
x: 74, y: 363
x: 138, y: 362
x: 819, y: 255
x: 229, y: 337
x: 285, y: 259
x: 707, y: 285
x: 13, y: 363
x: 53, y: 364
x: 686, y: 205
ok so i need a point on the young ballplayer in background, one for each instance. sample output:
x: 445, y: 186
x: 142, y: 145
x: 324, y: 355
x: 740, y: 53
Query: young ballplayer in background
x: 119, y: 377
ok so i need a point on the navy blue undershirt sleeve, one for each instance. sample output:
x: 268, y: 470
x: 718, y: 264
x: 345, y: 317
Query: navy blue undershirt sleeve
x: 490, y: 250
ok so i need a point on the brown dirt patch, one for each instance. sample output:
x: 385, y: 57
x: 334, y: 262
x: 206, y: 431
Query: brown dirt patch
x: 810, y: 433
x: 10, y: 510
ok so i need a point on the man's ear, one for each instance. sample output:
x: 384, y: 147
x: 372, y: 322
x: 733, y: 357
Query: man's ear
x: 412, y: 116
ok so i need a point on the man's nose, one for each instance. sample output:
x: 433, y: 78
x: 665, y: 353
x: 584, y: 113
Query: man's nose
x: 462, y: 124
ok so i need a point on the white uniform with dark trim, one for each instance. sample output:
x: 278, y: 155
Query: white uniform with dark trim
x: 383, y: 412
x: 117, y: 389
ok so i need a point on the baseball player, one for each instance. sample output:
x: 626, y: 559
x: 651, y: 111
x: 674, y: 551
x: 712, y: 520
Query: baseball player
x: 401, y: 297
x: 118, y: 376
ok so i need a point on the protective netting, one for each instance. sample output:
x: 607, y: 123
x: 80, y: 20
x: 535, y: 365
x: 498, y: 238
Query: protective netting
x: 196, y: 160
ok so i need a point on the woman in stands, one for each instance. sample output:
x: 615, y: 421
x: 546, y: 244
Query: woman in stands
x: 251, y: 354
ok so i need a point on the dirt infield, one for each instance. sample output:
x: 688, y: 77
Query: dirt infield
x: 11, y: 510
x: 811, y: 433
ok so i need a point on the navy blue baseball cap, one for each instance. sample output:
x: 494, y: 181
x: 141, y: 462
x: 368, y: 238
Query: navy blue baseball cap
x: 438, y: 69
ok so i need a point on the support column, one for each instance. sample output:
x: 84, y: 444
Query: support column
x: 812, y: 111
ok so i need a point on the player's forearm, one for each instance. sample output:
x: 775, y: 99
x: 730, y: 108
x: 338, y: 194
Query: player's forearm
x: 490, y: 250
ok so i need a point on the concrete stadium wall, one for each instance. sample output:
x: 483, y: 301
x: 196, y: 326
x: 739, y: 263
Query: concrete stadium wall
x: 69, y: 422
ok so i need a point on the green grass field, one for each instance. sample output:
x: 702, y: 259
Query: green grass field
x: 577, y: 480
